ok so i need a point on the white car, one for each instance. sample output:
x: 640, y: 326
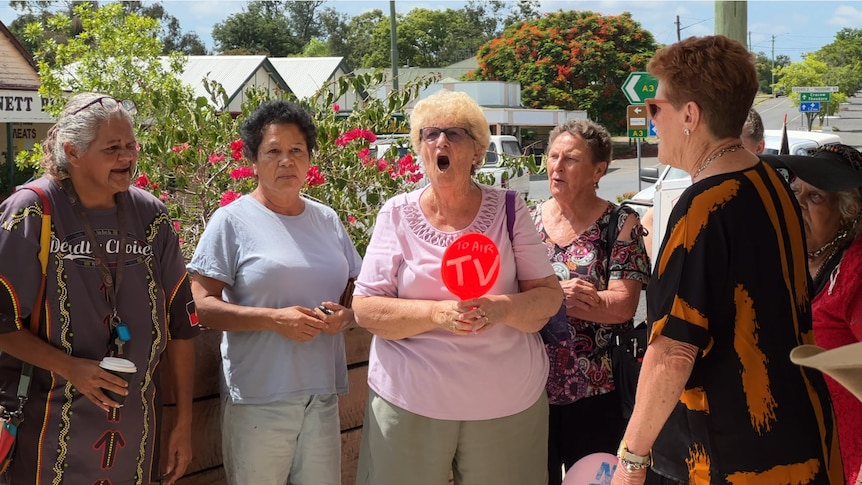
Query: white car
x: 492, y: 170
x: 517, y: 179
x: 799, y: 142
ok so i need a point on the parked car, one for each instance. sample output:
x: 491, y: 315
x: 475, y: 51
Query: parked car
x: 514, y: 178
x: 799, y: 142
x: 492, y: 171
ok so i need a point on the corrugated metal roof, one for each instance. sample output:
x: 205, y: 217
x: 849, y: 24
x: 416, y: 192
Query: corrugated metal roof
x: 305, y: 75
x: 229, y: 71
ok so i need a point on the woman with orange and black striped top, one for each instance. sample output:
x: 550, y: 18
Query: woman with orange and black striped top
x: 718, y: 400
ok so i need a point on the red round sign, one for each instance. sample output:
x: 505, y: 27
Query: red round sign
x: 470, y: 265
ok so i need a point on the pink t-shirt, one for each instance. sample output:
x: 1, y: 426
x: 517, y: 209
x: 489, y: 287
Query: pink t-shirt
x: 837, y: 314
x: 494, y: 374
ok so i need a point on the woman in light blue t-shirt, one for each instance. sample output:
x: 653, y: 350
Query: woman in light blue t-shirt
x: 267, y: 271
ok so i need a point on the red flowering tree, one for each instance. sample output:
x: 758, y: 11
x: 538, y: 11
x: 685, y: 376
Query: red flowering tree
x: 570, y: 60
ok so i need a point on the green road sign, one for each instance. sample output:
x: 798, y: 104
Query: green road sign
x: 815, y: 97
x: 639, y: 87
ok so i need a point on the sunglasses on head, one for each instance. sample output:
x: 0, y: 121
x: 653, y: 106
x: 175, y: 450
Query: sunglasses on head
x: 652, y: 105
x: 110, y: 104
x: 431, y: 134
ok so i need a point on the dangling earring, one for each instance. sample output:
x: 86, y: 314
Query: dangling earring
x: 686, y: 131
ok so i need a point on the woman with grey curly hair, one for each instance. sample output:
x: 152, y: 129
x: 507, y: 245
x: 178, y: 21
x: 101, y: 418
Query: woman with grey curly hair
x: 115, y: 287
x: 828, y: 186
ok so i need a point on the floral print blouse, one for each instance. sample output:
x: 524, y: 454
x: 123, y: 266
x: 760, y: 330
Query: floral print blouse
x: 581, y: 366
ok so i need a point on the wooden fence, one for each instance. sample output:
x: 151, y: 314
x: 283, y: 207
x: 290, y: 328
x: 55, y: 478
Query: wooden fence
x: 206, y: 466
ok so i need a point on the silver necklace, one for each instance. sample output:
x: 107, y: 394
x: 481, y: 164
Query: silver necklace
x: 709, y: 160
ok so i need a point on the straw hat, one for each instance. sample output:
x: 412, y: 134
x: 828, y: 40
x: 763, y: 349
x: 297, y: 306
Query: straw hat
x: 844, y: 364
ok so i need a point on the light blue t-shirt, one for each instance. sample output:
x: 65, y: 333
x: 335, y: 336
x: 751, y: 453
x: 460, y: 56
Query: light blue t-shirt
x: 271, y: 260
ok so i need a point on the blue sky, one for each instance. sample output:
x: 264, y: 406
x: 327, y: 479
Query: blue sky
x: 798, y: 26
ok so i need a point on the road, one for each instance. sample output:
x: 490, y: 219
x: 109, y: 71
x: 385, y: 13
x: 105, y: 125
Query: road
x: 622, y: 177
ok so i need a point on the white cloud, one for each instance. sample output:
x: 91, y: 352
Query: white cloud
x: 846, y: 15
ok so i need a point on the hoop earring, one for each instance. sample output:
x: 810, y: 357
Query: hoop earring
x: 686, y: 132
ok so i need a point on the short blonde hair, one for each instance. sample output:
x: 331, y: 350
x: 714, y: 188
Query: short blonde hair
x: 463, y: 109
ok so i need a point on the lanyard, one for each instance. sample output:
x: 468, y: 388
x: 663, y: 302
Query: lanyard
x: 110, y: 280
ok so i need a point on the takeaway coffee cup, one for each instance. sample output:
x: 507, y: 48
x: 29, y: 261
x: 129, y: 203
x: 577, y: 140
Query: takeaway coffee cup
x: 119, y: 367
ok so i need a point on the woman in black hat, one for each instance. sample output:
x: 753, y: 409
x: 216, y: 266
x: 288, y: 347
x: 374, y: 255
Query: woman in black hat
x: 828, y: 186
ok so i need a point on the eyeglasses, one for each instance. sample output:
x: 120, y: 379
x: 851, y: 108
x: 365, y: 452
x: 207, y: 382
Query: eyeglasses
x: 431, y: 134
x: 652, y: 105
x: 110, y: 104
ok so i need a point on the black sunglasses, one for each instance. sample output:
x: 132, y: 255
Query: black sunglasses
x: 110, y: 104
x: 455, y: 134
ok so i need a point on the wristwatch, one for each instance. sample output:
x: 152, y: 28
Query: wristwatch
x: 630, y: 461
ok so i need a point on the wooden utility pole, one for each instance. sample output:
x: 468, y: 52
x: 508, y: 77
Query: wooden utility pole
x: 731, y: 19
x: 393, y: 33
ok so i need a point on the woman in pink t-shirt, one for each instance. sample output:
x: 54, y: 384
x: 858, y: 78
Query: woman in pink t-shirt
x: 828, y: 186
x: 454, y: 385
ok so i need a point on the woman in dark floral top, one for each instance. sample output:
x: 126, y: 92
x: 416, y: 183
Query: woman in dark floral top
x: 574, y: 226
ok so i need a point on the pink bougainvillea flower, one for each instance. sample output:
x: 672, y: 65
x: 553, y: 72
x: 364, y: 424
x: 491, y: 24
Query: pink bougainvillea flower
x: 236, y: 145
x: 164, y: 196
x: 382, y: 165
x: 180, y: 148
x: 227, y: 197
x: 314, y: 177
x: 216, y: 158
x: 415, y: 177
x: 336, y: 108
x: 351, y: 220
x: 355, y: 133
x: 177, y: 226
x: 363, y: 154
x: 241, y: 173
x: 142, y: 181
x: 236, y: 155
x: 137, y: 146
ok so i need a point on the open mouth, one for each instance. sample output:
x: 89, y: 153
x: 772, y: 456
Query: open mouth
x: 442, y: 163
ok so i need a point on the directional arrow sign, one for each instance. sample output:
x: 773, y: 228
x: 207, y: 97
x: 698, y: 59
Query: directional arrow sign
x: 639, y: 87
x: 817, y: 97
x: 636, y: 121
x: 809, y: 107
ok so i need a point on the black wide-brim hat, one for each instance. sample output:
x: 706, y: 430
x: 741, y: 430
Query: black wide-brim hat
x: 833, y: 168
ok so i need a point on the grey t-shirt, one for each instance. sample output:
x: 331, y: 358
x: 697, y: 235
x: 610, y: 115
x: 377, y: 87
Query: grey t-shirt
x: 271, y: 260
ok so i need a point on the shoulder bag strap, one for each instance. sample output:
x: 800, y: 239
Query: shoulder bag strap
x: 613, y: 233
x: 510, y: 213
x: 36, y: 312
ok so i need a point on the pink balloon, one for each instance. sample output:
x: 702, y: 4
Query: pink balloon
x: 595, y: 469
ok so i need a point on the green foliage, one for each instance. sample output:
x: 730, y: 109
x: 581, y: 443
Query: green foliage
x: 170, y: 33
x: 430, y: 38
x: 262, y: 29
x: 189, y: 153
x: 574, y: 60
x: 764, y: 67
x: 811, y: 72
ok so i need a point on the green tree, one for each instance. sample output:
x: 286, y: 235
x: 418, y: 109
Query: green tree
x: 315, y: 48
x: 428, y: 38
x: 521, y: 11
x: 262, y: 28
x: 170, y: 32
x: 810, y: 72
x: 764, y: 67
x: 570, y: 60
x: 844, y: 58
x: 172, y: 37
x: 359, y: 37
